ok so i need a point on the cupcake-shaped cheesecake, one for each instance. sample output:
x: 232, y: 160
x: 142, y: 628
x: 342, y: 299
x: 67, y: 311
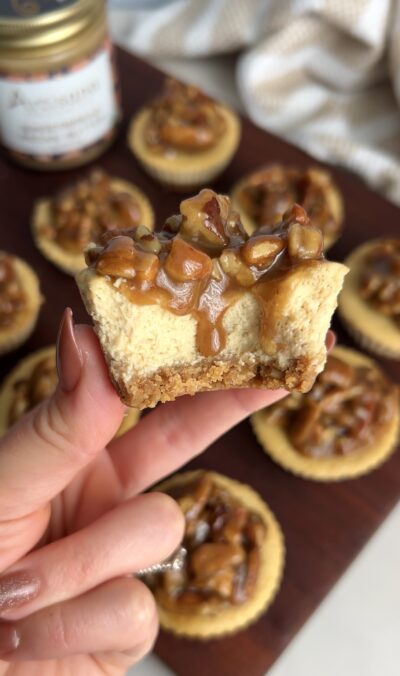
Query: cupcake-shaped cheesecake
x: 369, y: 304
x: 183, y: 138
x: 34, y: 379
x: 234, y: 561
x: 347, y: 424
x: 263, y: 196
x: 81, y: 213
x: 20, y: 301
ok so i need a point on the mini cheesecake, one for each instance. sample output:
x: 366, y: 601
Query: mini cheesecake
x: 370, y: 301
x: 183, y: 138
x: 66, y: 224
x: 346, y: 426
x: 234, y: 562
x: 20, y: 301
x: 263, y: 196
x: 32, y: 380
x: 203, y: 306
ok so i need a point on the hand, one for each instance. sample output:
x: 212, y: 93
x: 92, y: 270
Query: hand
x: 74, y: 525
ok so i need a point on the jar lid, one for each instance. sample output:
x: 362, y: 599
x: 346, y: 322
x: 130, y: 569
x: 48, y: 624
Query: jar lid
x: 37, y: 23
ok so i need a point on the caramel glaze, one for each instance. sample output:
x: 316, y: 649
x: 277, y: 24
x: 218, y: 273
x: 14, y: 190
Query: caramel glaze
x: 81, y: 213
x: 344, y: 410
x: 380, y: 279
x: 223, y: 541
x: 30, y: 391
x: 12, y: 295
x: 269, y: 192
x: 183, y: 118
x: 203, y: 261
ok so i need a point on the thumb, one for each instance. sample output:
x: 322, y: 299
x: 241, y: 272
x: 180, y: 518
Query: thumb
x: 41, y: 454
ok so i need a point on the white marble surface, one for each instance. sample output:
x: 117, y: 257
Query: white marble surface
x: 356, y: 631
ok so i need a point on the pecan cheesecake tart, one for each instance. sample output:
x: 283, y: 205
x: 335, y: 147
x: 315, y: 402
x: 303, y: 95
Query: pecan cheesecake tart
x: 370, y: 302
x: 184, y: 138
x: 347, y: 424
x: 263, y: 196
x: 234, y: 561
x: 201, y: 305
x: 32, y: 380
x: 64, y: 225
x: 20, y: 301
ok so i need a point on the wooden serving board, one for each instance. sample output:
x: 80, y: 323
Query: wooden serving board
x: 325, y: 525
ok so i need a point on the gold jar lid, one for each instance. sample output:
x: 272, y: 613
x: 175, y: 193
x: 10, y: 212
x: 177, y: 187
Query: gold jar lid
x: 30, y: 24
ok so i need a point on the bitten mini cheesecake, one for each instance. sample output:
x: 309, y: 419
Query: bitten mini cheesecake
x: 32, y: 380
x: 20, y: 301
x: 347, y: 424
x: 370, y: 301
x: 202, y: 306
x: 64, y: 225
x: 184, y: 138
x: 234, y: 562
x: 263, y: 196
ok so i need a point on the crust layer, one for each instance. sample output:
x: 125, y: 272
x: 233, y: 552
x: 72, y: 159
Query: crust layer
x: 234, y: 618
x: 69, y: 262
x: 276, y: 444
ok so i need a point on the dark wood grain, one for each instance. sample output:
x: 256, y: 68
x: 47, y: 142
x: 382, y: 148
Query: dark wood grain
x: 325, y: 526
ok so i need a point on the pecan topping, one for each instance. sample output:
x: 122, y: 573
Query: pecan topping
x: 203, y: 260
x: 223, y: 540
x: 30, y: 391
x: 342, y: 412
x: 380, y: 281
x: 268, y: 193
x: 183, y: 118
x: 82, y: 213
x: 12, y: 296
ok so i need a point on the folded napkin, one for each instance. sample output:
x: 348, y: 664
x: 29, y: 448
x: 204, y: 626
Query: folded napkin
x: 324, y: 74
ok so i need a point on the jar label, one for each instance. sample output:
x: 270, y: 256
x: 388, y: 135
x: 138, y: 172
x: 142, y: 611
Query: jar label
x: 59, y: 114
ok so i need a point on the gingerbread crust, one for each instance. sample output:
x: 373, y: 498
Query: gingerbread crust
x: 19, y: 331
x: 234, y: 618
x: 23, y: 370
x: 276, y: 444
x: 67, y: 261
x: 185, y: 171
x: 332, y: 196
x: 372, y: 330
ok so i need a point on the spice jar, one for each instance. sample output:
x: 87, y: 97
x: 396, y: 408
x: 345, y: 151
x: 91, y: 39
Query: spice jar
x: 59, y: 102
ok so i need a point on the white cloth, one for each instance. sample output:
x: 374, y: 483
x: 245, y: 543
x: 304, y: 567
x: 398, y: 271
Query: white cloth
x: 324, y: 74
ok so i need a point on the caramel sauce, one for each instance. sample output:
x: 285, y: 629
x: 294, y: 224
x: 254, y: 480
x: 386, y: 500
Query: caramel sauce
x: 12, y: 295
x: 30, y: 391
x: 205, y: 262
x: 183, y: 118
x: 223, y: 540
x: 344, y: 410
x: 380, y: 279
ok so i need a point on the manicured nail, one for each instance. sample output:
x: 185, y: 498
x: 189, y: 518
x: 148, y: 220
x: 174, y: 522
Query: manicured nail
x: 9, y: 639
x: 69, y: 356
x: 16, y: 589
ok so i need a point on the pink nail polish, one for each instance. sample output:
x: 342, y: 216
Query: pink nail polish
x: 69, y: 356
x: 9, y: 639
x: 16, y: 589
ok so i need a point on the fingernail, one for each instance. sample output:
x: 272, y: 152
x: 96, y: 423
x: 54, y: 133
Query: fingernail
x: 16, y: 589
x: 9, y: 639
x: 69, y: 356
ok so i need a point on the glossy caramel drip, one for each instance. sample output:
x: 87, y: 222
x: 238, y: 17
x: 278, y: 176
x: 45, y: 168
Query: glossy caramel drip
x: 205, y: 261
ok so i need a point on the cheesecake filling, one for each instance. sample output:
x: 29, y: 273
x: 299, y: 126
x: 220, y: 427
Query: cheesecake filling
x: 202, y: 262
x: 223, y: 540
x: 344, y: 411
x: 30, y: 391
x: 12, y: 295
x: 269, y: 193
x: 81, y: 213
x: 183, y: 118
x: 380, y: 279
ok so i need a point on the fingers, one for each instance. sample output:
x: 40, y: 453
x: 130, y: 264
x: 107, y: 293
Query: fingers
x: 134, y: 535
x: 118, y: 616
x: 41, y: 454
x: 176, y: 432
